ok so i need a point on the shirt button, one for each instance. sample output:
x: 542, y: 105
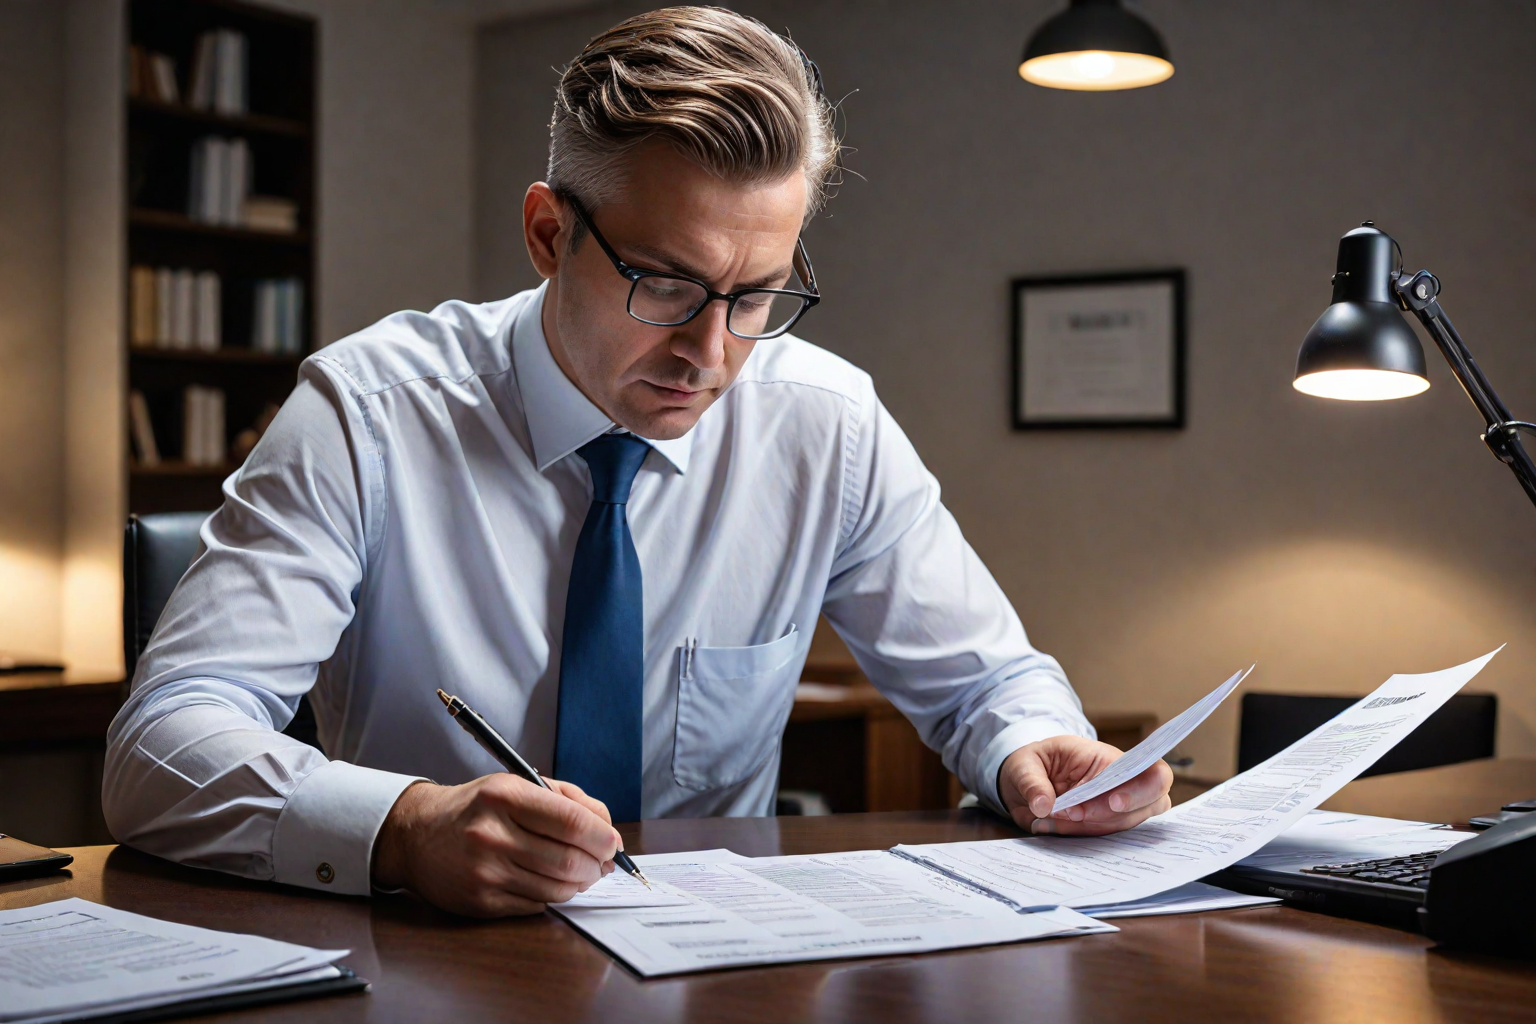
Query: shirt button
x: 325, y: 873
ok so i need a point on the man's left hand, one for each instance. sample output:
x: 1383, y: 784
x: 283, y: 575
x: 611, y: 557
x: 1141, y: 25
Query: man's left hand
x: 1034, y: 775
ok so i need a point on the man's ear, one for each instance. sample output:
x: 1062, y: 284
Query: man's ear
x: 544, y: 229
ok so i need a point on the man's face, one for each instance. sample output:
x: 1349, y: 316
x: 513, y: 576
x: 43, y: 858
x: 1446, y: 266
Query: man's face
x: 675, y: 217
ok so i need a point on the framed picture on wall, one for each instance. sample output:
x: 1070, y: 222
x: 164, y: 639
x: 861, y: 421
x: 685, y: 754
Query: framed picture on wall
x: 1099, y: 350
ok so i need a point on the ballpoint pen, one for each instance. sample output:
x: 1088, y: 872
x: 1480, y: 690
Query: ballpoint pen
x: 497, y: 746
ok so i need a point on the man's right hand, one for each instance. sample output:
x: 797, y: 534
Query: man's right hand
x: 496, y: 846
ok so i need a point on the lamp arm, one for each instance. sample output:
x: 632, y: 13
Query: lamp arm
x: 1419, y: 293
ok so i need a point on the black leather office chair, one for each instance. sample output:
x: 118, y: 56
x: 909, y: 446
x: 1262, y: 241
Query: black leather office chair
x: 1462, y: 730
x: 156, y: 552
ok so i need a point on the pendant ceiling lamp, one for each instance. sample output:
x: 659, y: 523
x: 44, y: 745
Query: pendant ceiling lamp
x: 1095, y: 46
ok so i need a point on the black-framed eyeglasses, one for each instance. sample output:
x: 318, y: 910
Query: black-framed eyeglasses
x: 669, y: 300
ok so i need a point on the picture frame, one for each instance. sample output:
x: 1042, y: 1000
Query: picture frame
x: 1100, y: 350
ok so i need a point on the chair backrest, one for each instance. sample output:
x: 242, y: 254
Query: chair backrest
x: 156, y: 552
x: 1462, y: 730
x: 157, y: 549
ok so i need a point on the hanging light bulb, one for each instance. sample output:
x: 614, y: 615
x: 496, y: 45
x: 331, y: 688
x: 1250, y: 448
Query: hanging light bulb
x: 1095, y: 46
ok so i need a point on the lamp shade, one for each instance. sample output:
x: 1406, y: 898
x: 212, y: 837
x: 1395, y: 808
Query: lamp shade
x: 1361, y: 348
x: 1095, y: 46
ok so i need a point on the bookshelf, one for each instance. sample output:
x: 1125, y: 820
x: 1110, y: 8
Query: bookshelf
x: 240, y: 76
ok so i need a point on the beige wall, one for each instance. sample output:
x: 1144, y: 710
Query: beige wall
x: 396, y: 100
x: 95, y: 484
x: 1333, y: 544
x: 31, y: 325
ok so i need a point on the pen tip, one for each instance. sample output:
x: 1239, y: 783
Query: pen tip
x: 643, y: 880
x: 444, y: 697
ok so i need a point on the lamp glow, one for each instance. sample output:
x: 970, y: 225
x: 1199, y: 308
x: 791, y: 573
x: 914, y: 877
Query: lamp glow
x: 1361, y: 385
x: 1095, y: 70
x: 1095, y: 46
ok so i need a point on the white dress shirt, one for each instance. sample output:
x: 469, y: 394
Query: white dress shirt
x: 408, y: 522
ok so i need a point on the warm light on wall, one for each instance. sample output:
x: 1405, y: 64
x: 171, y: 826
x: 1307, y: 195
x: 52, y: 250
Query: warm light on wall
x: 1360, y: 385
x: 29, y: 601
x: 1095, y: 46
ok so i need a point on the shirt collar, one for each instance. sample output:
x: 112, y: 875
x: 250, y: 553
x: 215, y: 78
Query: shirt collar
x: 560, y: 418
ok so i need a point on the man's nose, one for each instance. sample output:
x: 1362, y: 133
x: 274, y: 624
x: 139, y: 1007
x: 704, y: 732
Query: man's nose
x: 701, y: 340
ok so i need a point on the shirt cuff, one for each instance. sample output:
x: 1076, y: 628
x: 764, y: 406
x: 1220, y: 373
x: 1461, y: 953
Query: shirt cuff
x: 324, y: 836
x: 1019, y: 734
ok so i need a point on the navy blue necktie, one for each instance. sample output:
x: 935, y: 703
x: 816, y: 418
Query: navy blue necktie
x: 597, y: 733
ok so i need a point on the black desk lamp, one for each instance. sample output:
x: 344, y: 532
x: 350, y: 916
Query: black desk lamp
x: 1362, y: 349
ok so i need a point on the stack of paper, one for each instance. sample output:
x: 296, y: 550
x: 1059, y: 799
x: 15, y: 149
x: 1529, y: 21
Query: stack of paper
x: 718, y: 909
x: 1186, y: 899
x: 1214, y: 830
x: 1331, y: 837
x: 72, y: 959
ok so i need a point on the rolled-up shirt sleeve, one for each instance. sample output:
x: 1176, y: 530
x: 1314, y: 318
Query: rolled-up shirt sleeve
x: 929, y: 625
x: 197, y: 770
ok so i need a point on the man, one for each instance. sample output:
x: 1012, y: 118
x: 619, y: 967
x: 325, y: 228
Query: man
x: 606, y: 512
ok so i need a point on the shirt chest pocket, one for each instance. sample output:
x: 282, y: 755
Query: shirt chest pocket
x: 732, y: 703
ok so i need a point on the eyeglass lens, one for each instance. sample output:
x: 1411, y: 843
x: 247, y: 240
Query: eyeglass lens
x: 666, y: 301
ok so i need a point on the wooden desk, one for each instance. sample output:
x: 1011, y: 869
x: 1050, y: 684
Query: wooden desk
x: 1265, y: 964
x: 40, y: 710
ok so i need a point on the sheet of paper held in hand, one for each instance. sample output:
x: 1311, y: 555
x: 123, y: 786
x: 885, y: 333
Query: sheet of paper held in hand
x: 1152, y: 749
x: 1212, y: 831
x: 718, y: 909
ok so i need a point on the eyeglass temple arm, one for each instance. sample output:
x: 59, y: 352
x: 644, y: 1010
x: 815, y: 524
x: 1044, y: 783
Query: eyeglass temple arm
x: 810, y: 272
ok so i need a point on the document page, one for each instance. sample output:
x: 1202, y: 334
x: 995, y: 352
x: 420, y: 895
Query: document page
x: 1186, y: 899
x: 59, y: 959
x: 766, y: 910
x: 1212, y: 831
x: 619, y: 891
x: 1332, y: 837
x: 1150, y: 750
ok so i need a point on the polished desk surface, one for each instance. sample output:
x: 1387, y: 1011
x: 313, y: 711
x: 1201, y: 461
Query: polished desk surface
x: 1258, y: 964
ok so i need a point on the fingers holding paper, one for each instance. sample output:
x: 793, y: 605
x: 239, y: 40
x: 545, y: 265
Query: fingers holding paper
x: 1034, y: 775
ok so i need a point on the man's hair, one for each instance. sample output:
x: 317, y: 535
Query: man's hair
x: 724, y: 90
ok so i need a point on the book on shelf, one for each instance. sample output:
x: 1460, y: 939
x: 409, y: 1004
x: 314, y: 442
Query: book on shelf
x: 277, y: 326
x: 203, y: 426
x: 219, y: 181
x: 206, y: 330
x: 143, y: 330
x: 219, y: 78
x: 165, y: 303
x: 152, y: 76
x: 271, y: 213
x: 183, y: 299
x: 142, y: 430
x: 175, y: 308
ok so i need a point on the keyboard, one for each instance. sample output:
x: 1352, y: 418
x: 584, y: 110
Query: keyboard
x: 1411, y: 871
